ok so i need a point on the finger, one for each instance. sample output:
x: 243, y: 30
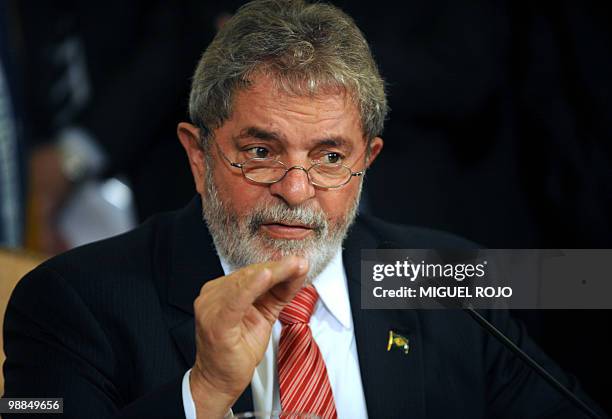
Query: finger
x: 286, y: 271
x: 254, y: 281
x: 284, y: 291
x: 271, y: 303
x: 234, y: 294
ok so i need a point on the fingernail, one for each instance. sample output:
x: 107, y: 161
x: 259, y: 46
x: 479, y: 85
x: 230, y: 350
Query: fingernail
x: 303, y: 265
x: 263, y: 275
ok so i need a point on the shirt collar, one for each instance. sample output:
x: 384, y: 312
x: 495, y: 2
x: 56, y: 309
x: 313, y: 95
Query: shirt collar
x: 333, y: 291
x: 331, y: 286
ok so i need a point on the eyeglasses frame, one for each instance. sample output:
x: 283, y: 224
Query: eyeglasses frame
x: 287, y: 170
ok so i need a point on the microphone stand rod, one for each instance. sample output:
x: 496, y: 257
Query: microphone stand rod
x: 531, y: 362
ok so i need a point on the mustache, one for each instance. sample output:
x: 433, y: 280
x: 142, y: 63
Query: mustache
x: 282, y: 214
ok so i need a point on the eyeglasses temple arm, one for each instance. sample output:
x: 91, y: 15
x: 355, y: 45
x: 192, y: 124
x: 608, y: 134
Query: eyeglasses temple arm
x: 233, y: 164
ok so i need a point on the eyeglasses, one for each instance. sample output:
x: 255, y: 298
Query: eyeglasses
x: 266, y: 171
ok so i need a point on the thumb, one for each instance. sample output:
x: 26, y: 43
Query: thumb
x: 271, y: 303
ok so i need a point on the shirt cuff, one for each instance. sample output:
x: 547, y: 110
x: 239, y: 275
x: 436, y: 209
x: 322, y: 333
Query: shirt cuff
x: 189, y: 405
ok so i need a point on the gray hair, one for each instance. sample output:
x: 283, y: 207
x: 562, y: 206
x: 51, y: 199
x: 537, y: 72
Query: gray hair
x: 305, y: 48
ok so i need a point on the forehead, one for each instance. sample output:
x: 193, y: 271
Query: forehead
x: 297, y: 119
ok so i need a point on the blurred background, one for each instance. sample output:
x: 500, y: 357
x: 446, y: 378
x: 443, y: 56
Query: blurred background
x: 500, y: 128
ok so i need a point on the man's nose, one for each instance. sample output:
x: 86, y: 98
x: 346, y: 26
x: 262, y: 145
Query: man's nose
x: 294, y: 188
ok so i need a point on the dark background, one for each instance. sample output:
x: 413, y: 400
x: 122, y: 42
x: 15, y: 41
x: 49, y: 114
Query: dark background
x: 500, y: 129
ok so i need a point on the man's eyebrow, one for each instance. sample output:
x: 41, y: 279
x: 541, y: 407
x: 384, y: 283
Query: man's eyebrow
x: 333, y: 141
x: 260, y: 134
x: 266, y: 135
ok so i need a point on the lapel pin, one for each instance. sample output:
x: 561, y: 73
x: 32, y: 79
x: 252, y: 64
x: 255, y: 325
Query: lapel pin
x: 398, y: 341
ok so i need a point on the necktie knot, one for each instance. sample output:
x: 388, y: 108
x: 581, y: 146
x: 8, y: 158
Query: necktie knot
x: 300, y: 309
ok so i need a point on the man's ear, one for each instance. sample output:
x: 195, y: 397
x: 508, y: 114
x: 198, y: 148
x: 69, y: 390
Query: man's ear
x: 189, y: 135
x: 376, y: 146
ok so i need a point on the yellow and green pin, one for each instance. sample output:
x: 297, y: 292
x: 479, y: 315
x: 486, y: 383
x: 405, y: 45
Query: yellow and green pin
x: 398, y: 341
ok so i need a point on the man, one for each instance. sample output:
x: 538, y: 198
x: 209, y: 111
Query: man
x: 259, y: 307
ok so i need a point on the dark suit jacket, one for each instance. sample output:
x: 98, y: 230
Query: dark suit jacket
x: 110, y: 328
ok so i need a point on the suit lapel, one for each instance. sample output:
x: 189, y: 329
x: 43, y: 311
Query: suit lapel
x: 193, y: 262
x: 392, y: 381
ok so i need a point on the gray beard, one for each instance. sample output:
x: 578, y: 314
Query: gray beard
x: 240, y: 241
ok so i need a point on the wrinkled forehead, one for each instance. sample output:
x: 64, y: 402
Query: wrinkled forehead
x: 264, y: 106
x: 288, y: 88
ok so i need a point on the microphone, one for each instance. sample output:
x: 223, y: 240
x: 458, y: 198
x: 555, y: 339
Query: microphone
x: 505, y: 341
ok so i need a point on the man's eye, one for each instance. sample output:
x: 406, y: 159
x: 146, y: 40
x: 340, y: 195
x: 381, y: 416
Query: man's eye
x: 259, y: 152
x: 332, y: 158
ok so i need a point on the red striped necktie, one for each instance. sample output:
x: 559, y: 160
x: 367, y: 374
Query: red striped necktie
x: 304, y: 385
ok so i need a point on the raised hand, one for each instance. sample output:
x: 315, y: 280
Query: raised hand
x: 234, y: 315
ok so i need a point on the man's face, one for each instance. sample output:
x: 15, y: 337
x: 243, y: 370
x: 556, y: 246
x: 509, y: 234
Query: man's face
x: 250, y: 222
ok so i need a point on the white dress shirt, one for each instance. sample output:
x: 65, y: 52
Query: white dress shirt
x: 332, y: 328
